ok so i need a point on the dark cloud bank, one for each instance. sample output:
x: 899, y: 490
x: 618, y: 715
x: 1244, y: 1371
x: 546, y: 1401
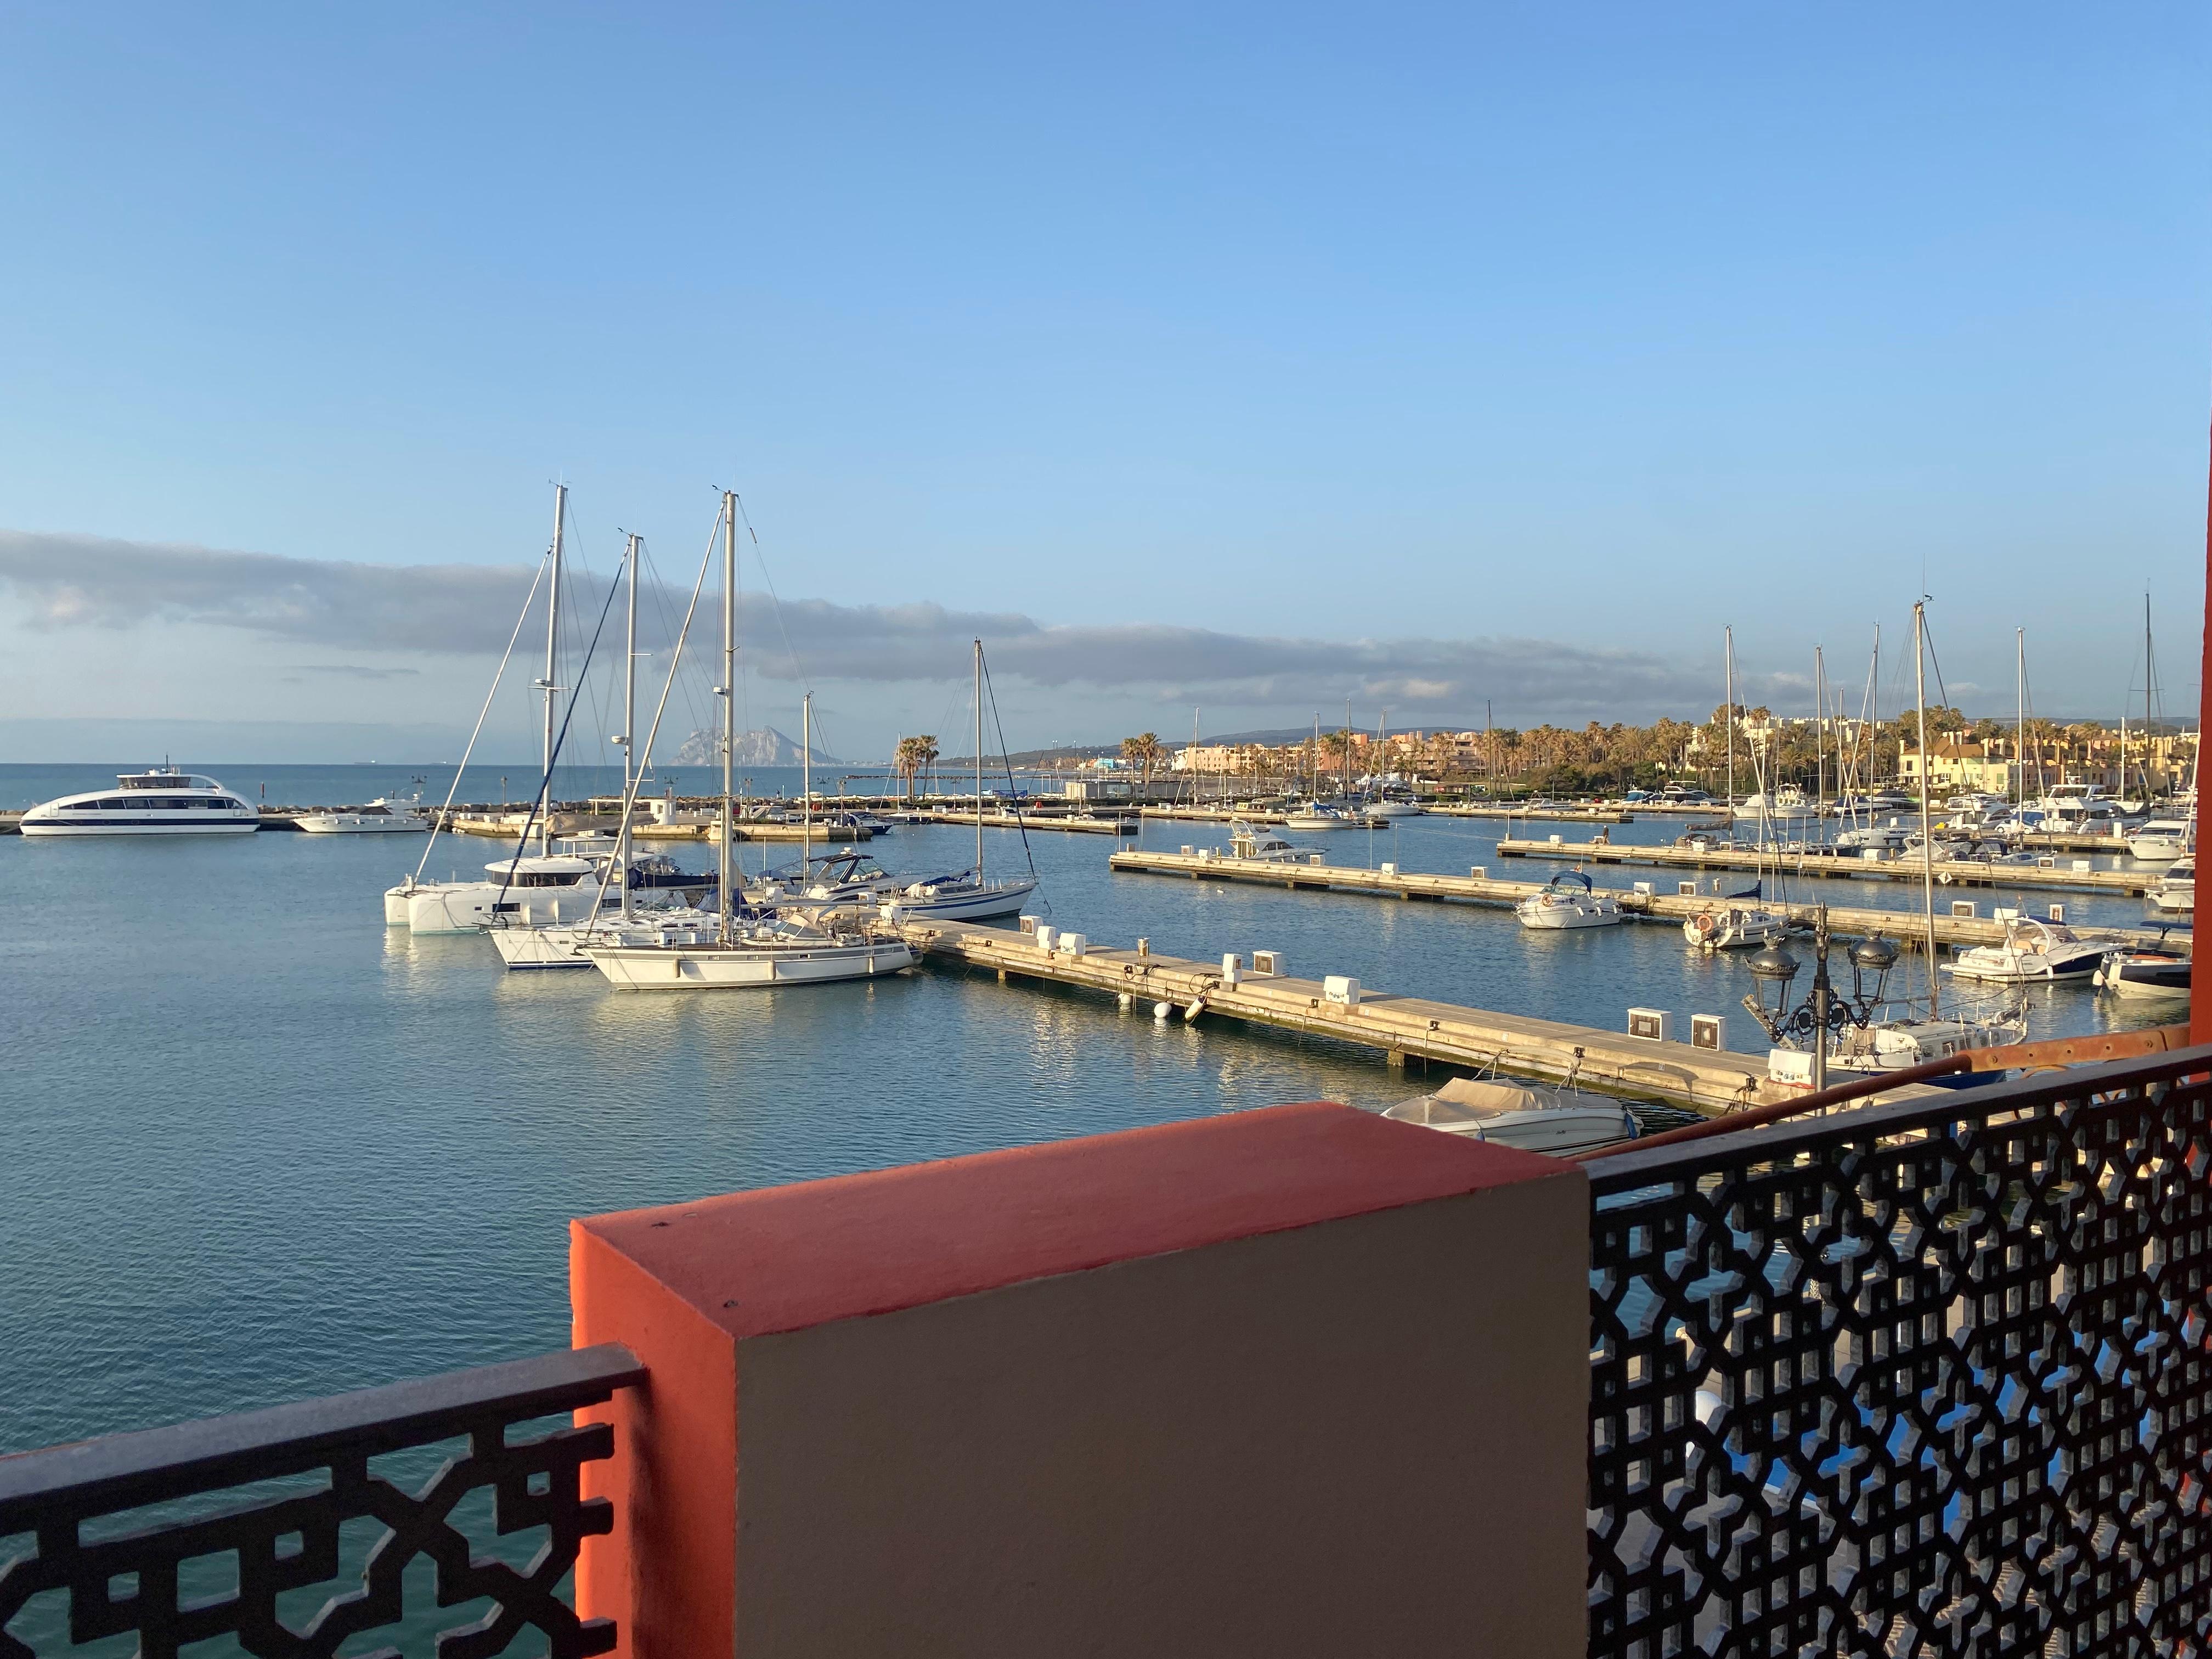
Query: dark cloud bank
x: 64, y: 581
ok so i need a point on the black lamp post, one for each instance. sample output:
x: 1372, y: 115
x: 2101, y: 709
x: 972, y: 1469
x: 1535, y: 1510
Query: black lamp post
x: 1823, y: 1014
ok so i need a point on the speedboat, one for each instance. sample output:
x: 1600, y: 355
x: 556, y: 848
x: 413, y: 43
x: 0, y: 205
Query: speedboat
x: 2160, y: 840
x: 160, y: 801
x: 2145, y: 973
x: 1535, y: 1120
x: 2176, y: 892
x: 754, y: 955
x: 1318, y: 815
x: 967, y: 897
x: 846, y: 879
x: 1892, y: 837
x: 1570, y: 901
x: 381, y: 817
x: 2032, y: 950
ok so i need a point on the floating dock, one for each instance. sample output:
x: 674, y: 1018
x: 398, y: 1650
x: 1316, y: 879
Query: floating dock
x: 1904, y: 927
x: 1949, y: 872
x: 1401, y: 1028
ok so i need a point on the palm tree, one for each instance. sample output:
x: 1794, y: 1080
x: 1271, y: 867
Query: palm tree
x: 915, y: 755
x: 1144, y: 750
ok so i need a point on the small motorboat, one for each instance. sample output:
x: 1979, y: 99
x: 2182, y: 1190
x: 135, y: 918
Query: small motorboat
x: 1535, y: 1119
x: 1258, y: 847
x: 2033, y: 952
x: 2161, y: 841
x: 2145, y: 973
x: 1570, y: 901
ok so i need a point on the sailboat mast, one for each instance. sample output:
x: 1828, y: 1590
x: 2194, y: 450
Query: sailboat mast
x: 724, y: 871
x: 1344, y: 788
x: 1820, y: 736
x: 2150, y: 677
x: 806, y: 787
x: 631, y: 773
x: 978, y: 762
x: 1927, y: 845
x: 2020, y: 719
x: 1728, y: 671
x: 552, y: 645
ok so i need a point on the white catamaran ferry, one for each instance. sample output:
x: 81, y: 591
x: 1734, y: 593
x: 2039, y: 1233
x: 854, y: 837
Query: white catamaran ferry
x: 160, y: 802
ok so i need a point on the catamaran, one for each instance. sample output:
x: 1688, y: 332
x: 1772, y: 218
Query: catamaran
x: 159, y: 801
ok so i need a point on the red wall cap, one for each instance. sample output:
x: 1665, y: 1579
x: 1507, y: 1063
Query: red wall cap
x: 786, y: 1258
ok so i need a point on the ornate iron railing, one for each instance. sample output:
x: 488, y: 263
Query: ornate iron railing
x: 1931, y: 1377
x: 120, y: 1573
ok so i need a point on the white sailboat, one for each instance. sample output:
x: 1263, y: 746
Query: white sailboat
x: 741, y: 951
x: 970, y: 894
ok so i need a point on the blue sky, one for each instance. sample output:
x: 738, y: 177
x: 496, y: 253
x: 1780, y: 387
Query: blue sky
x: 1178, y: 328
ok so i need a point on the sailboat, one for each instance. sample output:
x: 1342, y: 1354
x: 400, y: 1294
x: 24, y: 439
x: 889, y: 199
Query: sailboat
x: 556, y: 883
x: 740, y: 949
x: 1908, y: 1037
x: 971, y: 895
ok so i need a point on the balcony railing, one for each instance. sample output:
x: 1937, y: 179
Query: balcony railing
x: 163, y: 1576
x: 1928, y: 1377
x: 1925, y: 1378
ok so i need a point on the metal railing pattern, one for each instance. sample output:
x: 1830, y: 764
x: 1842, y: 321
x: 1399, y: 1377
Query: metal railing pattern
x: 1928, y: 1378
x: 140, y: 1577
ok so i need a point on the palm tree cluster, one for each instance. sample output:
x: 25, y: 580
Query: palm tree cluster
x: 914, y: 756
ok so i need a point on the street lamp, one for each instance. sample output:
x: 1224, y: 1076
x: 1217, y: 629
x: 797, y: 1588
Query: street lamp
x: 1823, y: 1014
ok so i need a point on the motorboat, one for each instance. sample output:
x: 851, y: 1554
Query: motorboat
x: 1319, y: 815
x: 2148, y: 973
x: 2032, y: 951
x: 1787, y: 802
x: 1570, y: 901
x: 1557, y: 1121
x: 2176, y: 892
x: 969, y: 896
x: 2160, y: 840
x: 749, y: 955
x: 1734, y: 925
x: 1891, y: 837
x: 846, y: 879
x: 160, y: 801
x: 381, y: 817
x: 1254, y: 846
x: 2082, y: 809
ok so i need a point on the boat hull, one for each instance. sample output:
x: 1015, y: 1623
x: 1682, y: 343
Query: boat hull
x: 80, y: 831
x: 1553, y: 918
x: 348, y: 823
x: 738, y: 967
x: 997, y: 901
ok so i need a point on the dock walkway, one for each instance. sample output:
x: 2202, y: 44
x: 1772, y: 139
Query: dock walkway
x: 1400, y: 1027
x: 1906, y: 927
x: 2059, y: 875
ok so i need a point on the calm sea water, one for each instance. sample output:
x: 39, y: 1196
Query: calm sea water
x: 254, y: 1146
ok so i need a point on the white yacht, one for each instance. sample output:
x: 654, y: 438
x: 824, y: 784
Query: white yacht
x: 1392, y: 807
x: 569, y: 945
x: 967, y: 897
x: 2160, y: 840
x: 1319, y: 815
x: 1259, y: 846
x: 2076, y: 809
x: 1535, y: 1120
x: 382, y: 817
x: 2176, y: 892
x: 753, y: 954
x: 1892, y: 1045
x: 158, y: 802
x: 2148, y: 973
x: 1892, y: 837
x: 1787, y: 802
x: 2032, y: 951
x: 1570, y: 901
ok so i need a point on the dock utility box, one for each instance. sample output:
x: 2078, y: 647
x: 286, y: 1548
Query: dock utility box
x: 1232, y: 970
x: 1073, y: 945
x: 1029, y: 924
x: 1268, y: 962
x: 1652, y: 1024
x: 1340, y: 989
x: 1046, y: 935
x: 1709, y: 1031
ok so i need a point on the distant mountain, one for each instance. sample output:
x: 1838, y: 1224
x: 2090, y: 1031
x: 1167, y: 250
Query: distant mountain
x: 765, y: 747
